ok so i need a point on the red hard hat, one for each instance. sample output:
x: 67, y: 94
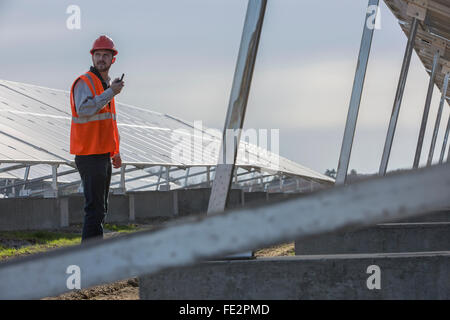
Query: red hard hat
x: 104, y: 43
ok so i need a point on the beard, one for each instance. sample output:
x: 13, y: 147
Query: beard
x: 102, y: 67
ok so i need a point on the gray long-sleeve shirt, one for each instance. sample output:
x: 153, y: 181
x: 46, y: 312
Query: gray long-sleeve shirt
x: 85, y: 103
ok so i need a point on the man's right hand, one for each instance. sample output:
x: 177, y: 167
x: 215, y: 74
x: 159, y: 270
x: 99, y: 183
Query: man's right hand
x: 117, y: 86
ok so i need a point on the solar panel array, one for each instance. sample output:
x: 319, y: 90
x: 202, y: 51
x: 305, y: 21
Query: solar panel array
x: 35, y: 127
x: 435, y: 28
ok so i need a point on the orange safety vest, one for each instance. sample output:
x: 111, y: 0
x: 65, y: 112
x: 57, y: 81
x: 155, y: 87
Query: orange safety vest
x: 94, y: 134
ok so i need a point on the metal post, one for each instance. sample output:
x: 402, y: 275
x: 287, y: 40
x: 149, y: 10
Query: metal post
x: 398, y: 97
x: 358, y: 84
x: 261, y: 179
x: 159, y: 177
x: 186, y: 177
x: 168, y: 178
x: 448, y: 155
x: 208, y: 176
x: 55, y: 180
x: 444, y: 144
x: 122, y: 179
x: 25, y: 178
x: 238, y: 103
x: 426, y: 110
x: 438, y: 120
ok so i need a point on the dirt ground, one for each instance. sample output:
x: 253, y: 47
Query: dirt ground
x: 128, y: 289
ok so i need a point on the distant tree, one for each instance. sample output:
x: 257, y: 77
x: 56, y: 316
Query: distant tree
x: 331, y: 173
x: 353, y: 172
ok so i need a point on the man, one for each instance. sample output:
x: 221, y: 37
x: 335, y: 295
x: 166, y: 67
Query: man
x: 94, y: 137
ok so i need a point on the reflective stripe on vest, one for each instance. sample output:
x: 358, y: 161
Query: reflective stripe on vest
x: 95, y: 117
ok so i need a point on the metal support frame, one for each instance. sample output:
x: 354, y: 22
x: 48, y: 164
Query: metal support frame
x: 25, y: 177
x: 444, y: 143
x: 438, y: 119
x: 186, y: 177
x: 54, y: 193
x: 253, y: 178
x: 171, y: 180
x: 398, y: 97
x: 208, y: 176
x: 122, y: 186
x: 448, y: 154
x: 166, y: 186
x: 168, y: 177
x: 126, y: 168
x: 112, y: 183
x: 355, y: 101
x: 14, y: 167
x: 159, y: 177
x: 238, y: 102
x: 426, y: 110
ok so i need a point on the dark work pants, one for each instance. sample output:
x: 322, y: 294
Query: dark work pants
x: 95, y: 173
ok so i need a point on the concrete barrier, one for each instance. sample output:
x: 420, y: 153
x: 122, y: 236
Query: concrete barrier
x: 255, y: 197
x: 402, y: 276
x: 154, y: 204
x: 392, y: 237
x: 27, y: 214
x: 118, y: 207
x: 52, y: 213
x: 193, y: 201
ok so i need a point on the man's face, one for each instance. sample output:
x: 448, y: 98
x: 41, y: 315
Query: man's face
x: 102, y: 59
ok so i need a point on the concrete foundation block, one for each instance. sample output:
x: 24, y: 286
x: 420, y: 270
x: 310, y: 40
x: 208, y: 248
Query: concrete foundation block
x: 29, y: 214
x: 153, y: 204
x: 401, y: 276
x: 234, y: 199
x: 76, y: 209
x: 255, y: 197
x: 193, y: 201
x: 118, y: 206
x: 392, y: 237
x: 63, y: 204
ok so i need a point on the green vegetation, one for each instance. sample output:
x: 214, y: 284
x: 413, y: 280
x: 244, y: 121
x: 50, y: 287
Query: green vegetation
x: 27, y: 242
x: 14, y: 243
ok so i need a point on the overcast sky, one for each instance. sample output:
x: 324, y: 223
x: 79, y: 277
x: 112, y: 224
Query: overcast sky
x: 179, y: 56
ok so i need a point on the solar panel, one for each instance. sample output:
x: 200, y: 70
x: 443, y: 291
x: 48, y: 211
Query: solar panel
x: 35, y: 125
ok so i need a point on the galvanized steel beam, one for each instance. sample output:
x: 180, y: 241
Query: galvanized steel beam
x: 355, y: 100
x: 426, y: 110
x: 238, y: 103
x: 398, y: 97
x: 438, y: 120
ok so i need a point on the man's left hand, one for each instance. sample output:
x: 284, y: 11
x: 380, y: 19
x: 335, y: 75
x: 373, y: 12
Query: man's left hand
x: 117, y: 161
